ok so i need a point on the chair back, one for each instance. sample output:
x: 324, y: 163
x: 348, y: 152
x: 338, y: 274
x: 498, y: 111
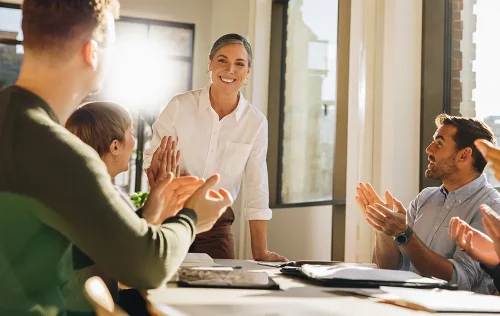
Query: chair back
x: 98, y: 295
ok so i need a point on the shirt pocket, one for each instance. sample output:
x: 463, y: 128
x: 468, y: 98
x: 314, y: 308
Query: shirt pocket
x: 235, y: 158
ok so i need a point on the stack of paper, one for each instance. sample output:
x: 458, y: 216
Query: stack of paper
x: 198, y: 260
x: 440, y: 300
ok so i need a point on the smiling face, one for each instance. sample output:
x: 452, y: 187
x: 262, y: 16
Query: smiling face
x: 230, y: 68
x: 442, y: 154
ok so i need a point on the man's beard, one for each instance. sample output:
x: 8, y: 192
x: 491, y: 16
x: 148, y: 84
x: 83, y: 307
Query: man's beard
x: 442, y: 169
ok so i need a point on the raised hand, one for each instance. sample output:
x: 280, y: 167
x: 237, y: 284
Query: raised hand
x: 367, y: 196
x: 491, y: 222
x: 385, y: 220
x: 165, y: 159
x: 168, y: 197
x: 492, y: 155
x: 208, y: 204
x: 476, y: 244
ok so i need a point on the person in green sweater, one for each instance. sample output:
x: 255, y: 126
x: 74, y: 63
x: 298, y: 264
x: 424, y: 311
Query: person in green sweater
x: 55, y: 190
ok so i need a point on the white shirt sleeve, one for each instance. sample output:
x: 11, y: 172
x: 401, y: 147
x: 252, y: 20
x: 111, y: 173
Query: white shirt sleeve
x: 256, y: 180
x: 164, y: 126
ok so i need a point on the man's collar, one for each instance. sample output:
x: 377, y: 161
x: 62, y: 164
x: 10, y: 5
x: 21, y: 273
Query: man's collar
x: 204, y: 103
x: 464, y: 192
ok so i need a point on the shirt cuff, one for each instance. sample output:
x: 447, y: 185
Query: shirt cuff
x: 459, y: 277
x: 258, y: 214
x: 404, y: 261
x: 493, y: 272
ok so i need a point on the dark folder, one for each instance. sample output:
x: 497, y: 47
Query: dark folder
x: 355, y: 275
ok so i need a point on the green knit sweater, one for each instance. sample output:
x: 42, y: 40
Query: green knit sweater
x: 55, y: 191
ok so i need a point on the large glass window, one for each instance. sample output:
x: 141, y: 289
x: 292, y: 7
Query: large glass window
x: 152, y: 63
x: 475, y: 64
x: 309, y: 103
x: 11, y: 52
x: 460, y: 66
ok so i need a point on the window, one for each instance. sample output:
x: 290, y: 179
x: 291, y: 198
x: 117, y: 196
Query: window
x: 153, y: 62
x: 307, y: 101
x: 475, y: 64
x: 468, y: 56
x: 11, y: 52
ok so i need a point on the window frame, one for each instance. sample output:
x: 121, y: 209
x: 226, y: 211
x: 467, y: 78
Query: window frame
x: 144, y: 119
x: 7, y: 41
x: 277, y: 71
x: 436, y: 75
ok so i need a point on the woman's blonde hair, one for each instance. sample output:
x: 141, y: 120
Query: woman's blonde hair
x: 100, y: 123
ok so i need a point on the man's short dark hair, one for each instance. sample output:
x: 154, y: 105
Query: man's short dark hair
x: 54, y: 25
x: 468, y: 130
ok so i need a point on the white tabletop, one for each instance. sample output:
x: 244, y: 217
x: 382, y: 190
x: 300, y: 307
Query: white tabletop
x: 297, y: 297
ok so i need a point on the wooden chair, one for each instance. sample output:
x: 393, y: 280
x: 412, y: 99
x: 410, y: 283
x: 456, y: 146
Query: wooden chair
x: 98, y: 295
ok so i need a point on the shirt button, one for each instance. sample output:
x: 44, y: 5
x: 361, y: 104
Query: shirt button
x: 447, y: 206
x: 435, y: 227
x: 459, y: 201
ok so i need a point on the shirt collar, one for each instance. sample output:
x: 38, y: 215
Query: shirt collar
x: 464, y: 192
x: 204, y: 103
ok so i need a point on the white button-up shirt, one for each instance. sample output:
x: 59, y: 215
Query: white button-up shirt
x: 234, y: 147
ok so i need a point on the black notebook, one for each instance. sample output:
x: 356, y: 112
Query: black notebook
x: 363, y: 276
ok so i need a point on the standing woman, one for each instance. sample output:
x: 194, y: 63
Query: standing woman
x: 219, y: 131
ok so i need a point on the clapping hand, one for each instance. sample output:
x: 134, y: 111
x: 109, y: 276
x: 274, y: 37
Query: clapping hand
x: 165, y: 160
x: 476, y: 244
x: 209, y: 204
x: 168, y: 196
x: 367, y: 196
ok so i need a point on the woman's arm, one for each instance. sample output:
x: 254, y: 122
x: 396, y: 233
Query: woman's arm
x: 257, y: 197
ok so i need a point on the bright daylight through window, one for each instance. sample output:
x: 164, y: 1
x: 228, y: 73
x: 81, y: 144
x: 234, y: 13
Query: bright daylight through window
x: 310, y: 101
x: 475, y: 63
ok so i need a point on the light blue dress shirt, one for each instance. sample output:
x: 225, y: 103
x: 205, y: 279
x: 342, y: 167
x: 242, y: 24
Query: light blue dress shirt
x: 429, y: 215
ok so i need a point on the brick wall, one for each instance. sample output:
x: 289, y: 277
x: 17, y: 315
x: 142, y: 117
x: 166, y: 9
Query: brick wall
x: 458, y: 76
x: 456, y: 56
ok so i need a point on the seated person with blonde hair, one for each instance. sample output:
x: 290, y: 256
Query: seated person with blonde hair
x: 108, y: 128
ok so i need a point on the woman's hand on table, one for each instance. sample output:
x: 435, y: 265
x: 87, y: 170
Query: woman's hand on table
x: 270, y: 256
x: 165, y: 160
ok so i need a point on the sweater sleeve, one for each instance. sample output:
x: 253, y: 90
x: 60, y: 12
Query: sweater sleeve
x: 494, y: 274
x: 69, y: 178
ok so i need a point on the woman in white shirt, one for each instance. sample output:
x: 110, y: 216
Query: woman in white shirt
x: 218, y: 131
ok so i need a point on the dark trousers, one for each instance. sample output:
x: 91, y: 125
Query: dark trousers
x: 218, y: 242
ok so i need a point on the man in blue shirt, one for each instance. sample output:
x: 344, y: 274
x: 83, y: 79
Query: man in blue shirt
x: 417, y: 238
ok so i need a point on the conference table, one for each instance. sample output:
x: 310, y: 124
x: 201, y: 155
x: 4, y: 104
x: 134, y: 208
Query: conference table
x: 297, y: 297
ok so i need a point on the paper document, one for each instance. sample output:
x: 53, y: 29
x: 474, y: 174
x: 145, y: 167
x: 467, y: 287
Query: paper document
x: 441, y: 300
x: 198, y: 260
x: 364, y: 273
